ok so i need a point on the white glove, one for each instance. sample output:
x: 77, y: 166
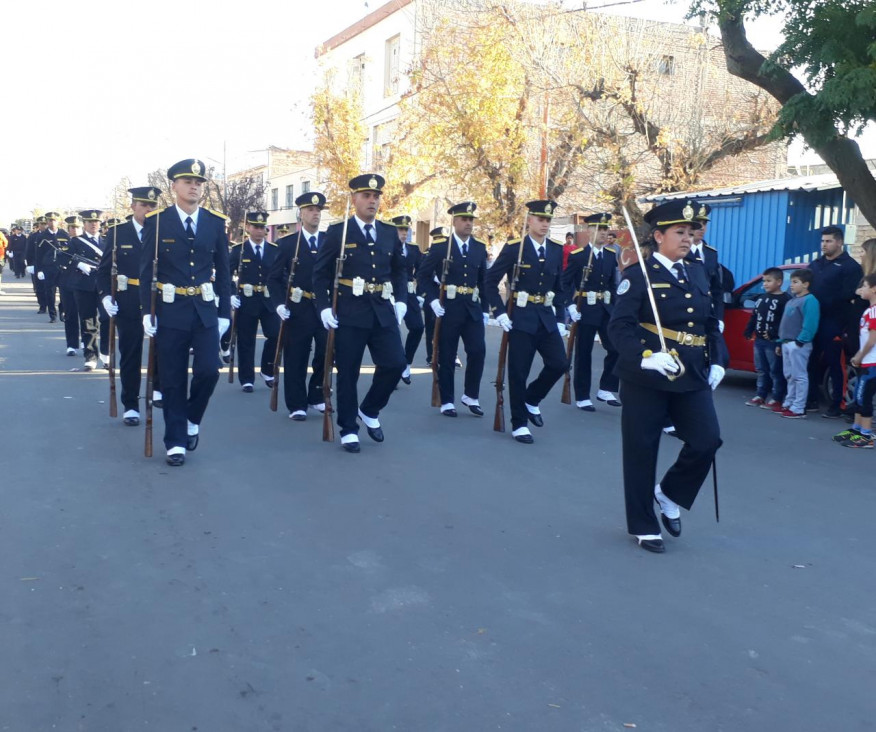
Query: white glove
x: 328, y: 319
x: 224, y: 325
x: 29, y: 269
x: 40, y: 276
x: 716, y: 374
x: 9, y: 254
x: 436, y: 308
x: 660, y: 362
x: 720, y: 326
x: 504, y: 322
x: 283, y: 312
x: 149, y: 329
x: 564, y: 331
x: 111, y: 308
x: 235, y: 302
x: 486, y: 318
x: 84, y: 268
x: 420, y: 300
x: 573, y: 313
x: 400, y: 310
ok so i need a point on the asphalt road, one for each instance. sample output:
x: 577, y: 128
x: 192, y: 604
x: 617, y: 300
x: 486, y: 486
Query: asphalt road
x: 448, y: 579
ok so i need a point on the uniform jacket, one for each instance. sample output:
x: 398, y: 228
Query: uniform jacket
x: 413, y: 260
x: 17, y: 245
x: 602, y: 278
x: 536, y: 278
x: 128, y: 252
x: 48, y: 253
x: 186, y: 265
x: 376, y: 263
x: 253, y: 271
x: 278, y: 277
x: 683, y: 307
x: 74, y: 278
x: 468, y: 271
x: 30, y: 248
x: 714, y: 275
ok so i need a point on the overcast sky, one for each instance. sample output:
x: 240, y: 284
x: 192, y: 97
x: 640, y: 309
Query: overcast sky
x: 97, y: 90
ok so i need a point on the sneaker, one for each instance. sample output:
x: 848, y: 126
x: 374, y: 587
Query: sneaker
x: 779, y: 408
x: 788, y: 414
x: 770, y: 404
x: 862, y: 441
x: 845, y: 435
x: 754, y: 402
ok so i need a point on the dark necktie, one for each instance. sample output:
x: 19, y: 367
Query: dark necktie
x: 464, y: 249
x: 541, y: 253
x: 679, y: 272
x: 368, y: 237
x: 258, y: 251
x: 312, y: 241
x: 698, y: 256
x: 190, y: 231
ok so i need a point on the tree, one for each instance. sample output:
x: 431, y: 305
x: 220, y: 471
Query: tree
x: 832, y: 41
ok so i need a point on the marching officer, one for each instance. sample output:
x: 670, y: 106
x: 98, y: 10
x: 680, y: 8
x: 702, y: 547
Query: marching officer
x: 190, y: 245
x: 706, y: 255
x: 49, y: 258
x: 16, y: 251
x: 82, y: 279
x: 538, y: 314
x: 655, y: 383
x: 438, y: 235
x: 295, y: 303
x: 373, y: 269
x: 251, y: 260
x: 30, y: 253
x: 123, y: 251
x: 464, y: 313
x: 590, y: 279
x: 73, y: 332
x: 414, y: 316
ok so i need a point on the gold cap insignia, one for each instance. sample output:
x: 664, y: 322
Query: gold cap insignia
x: 688, y: 211
x: 469, y: 208
x: 260, y: 218
x: 702, y: 214
x: 315, y: 200
x: 548, y: 208
x: 196, y: 168
x: 604, y: 219
x: 372, y: 183
x: 151, y: 195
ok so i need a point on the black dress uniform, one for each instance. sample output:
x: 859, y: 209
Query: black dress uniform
x: 18, y: 245
x: 30, y: 252
x: 48, y: 260
x: 190, y: 249
x: 94, y: 322
x: 595, y: 297
x: 413, y: 316
x: 373, y: 259
x: 251, y: 263
x: 690, y: 328
x: 304, y: 331
x: 535, y: 322
x: 465, y: 306
x: 708, y: 257
x: 438, y: 236
x: 72, y: 327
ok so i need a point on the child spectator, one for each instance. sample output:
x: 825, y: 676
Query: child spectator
x: 763, y: 328
x: 861, y: 432
x: 796, y: 331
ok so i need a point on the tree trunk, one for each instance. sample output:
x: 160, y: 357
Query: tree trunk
x: 842, y: 155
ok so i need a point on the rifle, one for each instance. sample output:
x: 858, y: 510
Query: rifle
x: 232, y: 341
x: 436, y: 394
x: 114, y: 273
x: 566, y: 397
x: 150, y: 361
x: 328, y: 427
x: 278, y: 355
x: 74, y: 258
x: 499, y: 419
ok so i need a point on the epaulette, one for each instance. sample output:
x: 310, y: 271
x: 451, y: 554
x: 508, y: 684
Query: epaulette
x: 155, y: 212
x: 553, y: 241
x: 437, y: 241
x: 512, y: 241
x: 216, y: 213
x: 709, y: 246
x: 576, y: 251
x: 272, y: 243
x: 236, y: 244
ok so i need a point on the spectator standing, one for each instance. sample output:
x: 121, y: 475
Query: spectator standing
x: 763, y: 329
x: 797, y: 329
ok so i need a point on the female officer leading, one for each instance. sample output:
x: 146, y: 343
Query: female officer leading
x: 653, y: 386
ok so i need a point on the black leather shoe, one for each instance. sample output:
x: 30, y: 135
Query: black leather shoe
x: 832, y: 413
x: 535, y: 419
x: 51, y: 320
x: 588, y: 408
x: 351, y: 446
x: 610, y: 402
x: 192, y: 442
x: 41, y: 311
x: 525, y: 439
x: 132, y: 421
x: 176, y: 460
x: 298, y: 417
x: 375, y: 433
x: 407, y: 380
x: 247, y: 389
x: 448, y: 412
x: 158, y: 403
x: 475, y: 410
x: 652, y: 545
x: 673, y: 526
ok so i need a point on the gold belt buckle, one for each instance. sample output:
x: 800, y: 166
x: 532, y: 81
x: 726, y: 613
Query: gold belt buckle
x: 686, y: 339
x: 191, y: 291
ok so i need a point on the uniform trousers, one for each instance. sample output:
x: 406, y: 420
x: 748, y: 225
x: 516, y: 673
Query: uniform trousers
x: 522, y: 348
x: 586, y: 334
x: 304, y: 331
x: 50, y: 293
x: 247, y: 323
x: 415, y: 326
x: 472, y: 333
x: 429, y: 321
x: 93, y: 323
x: 183, y: 401
x: 72, y: 327
x: 39, y: 291
x: 642, y: 420
x: 388, y: 356
x: 130, y: 338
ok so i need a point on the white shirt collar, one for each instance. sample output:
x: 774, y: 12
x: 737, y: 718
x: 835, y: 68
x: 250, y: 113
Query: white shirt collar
x: 460, y: 242
x: 697, y: 249
x: 362, y: 226
x: 254, y: 245
x: 536, y: 245
x: 183, y: 216
x: 138, y: 227
x: 665, y: 261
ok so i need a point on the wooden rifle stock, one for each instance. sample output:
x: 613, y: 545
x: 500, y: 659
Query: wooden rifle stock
x: 281, y: 336
x: 150, y: 361
x: 114, y: 274
x: 232, y: 341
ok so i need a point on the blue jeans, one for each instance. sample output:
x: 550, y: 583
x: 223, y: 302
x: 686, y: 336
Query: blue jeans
x: 771, y: 382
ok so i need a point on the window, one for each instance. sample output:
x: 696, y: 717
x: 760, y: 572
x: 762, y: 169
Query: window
x: 275, y: 196
x: 305, y: 186
x: 381, y: 136
x: 290, y: 196
x: 357, y: 72
x: 666, y: 65
x: 390, y: 67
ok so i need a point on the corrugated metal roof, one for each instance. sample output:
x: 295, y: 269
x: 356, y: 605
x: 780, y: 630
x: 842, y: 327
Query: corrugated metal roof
x: 820, y: 182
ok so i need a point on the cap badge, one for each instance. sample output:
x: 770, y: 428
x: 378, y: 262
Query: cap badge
x: 151, y: 195
x: 702, y: 214
x: 469, y: 208
x: 688, y: 211
x: 548, y: 208
x: 260, y: 218
x: 196, y: 168
x: 372, y: 183
x: 314, y: 199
